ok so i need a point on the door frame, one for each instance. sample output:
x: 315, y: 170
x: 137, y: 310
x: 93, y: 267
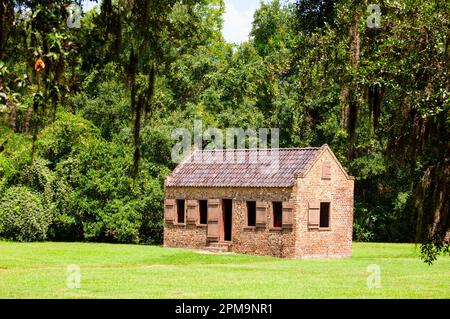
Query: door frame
x: 222, y: 220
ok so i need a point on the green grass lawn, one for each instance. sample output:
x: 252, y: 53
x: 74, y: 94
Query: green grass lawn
x: 39, y: 270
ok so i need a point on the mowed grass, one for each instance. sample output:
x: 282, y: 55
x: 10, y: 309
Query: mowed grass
x: 39, y: 270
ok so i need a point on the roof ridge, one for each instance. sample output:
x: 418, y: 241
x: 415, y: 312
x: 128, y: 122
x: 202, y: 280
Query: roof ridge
x: 258, y: 149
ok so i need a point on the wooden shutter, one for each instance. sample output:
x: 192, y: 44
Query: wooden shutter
x: 326, y: 170
x: 214, y: 208
x: 261, y: 214
x: 287, y: 214
x: 313, y: 214
x: 169, y: 210
x: 192, y: 211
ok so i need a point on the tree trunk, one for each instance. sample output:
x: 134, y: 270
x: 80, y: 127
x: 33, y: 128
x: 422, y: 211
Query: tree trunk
x: 35, y: 125
x: 150, y: 92
x: 137, y: 135
x: 6, y: 22
x: 349, y: 103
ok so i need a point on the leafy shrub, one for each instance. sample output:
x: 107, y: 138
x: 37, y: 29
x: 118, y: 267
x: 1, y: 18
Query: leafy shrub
x: 101, y: 202
x: 108, y: 108
x: 37, y: 175
x: 151, y: 208
x: 61, y: 197
x: 22, y: 215
x: 121, y: 221
x: 363, y: 224
x: 157, y: 144
x: 58, y: 140
x: 82, y: 178
x: 15, y: 154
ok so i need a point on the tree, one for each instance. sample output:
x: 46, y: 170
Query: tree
x: 6, y: 24
x: 154, y: 26
x: 391, y: 101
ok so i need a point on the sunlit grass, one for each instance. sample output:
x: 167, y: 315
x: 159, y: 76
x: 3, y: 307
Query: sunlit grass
x: 39, y: 270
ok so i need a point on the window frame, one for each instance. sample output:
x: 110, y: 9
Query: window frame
x: 184, y: 211
x: 273, y: 215
x: 200, y: 213
x: 329, y: 216
x: 247, y: 214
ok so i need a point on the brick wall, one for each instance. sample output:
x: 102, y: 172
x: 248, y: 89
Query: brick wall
x: 336, y: 241
x: 247, y: 240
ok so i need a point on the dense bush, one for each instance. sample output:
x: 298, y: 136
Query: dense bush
x: 108, y: 203
x: 91, y: 191
x: 157, y: 144
x: 22, y: 215
x: 15, y: 155
x: 37, y: 176
x: 57, y: 140
x: 104, y: 101
x: 78, y: 187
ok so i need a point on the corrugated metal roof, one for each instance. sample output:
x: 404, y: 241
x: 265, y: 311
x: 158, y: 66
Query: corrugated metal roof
x: 242, y: 168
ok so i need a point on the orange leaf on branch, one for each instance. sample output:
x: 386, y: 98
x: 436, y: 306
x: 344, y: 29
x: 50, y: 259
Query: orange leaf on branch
x: 39, y: 65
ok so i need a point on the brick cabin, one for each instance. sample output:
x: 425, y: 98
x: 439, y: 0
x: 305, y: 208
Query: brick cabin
x: 301, y: 209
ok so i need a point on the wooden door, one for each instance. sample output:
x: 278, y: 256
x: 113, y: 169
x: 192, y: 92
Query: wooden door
x: 214, y: 214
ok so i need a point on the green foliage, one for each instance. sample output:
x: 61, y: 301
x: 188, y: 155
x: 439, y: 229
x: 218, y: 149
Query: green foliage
x: 363, y: 224
x: 67, y: 132
x: 104, y: 101
x: 66, y: 225
x: 157, y: 144
x: 380, y: 104
x: 37, y: 175
x: 430, y: 251
x: 23, y: 216
x: 90, y: 135
x: 15, y: 155
x: 84, y: 183
x: 96, y: 199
